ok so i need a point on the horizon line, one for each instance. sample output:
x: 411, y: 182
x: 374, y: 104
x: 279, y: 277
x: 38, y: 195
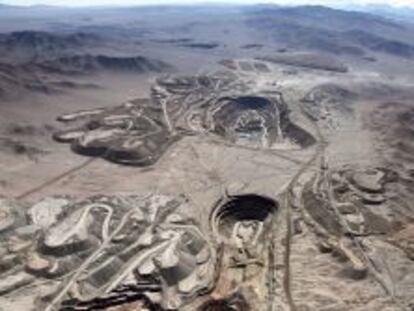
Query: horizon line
x: 233, y: 3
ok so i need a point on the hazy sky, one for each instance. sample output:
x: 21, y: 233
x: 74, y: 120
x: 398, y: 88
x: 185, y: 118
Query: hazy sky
x: 141, y: 2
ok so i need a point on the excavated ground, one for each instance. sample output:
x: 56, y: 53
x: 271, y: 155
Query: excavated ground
x: 244, y: 188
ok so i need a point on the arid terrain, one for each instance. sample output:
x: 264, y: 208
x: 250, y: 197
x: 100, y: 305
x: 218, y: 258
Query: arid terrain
x: 249, y: 158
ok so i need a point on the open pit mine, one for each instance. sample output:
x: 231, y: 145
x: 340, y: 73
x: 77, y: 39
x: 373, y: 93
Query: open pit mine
x: 282, y: 214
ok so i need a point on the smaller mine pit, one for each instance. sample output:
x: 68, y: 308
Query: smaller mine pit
x: 235, y: 302
x: 241, y: 219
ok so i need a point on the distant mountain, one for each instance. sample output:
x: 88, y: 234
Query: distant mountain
x: 388, y: 11
x: 332, y: 31
x: 86, y: 64
x: 26, y: 45
x: 310, y: 14
x: 380, y: 44
x: 16, y: 81
x: 54, y: 76
x: 46, y: 40
x: 6, y: 6
x: 40, y: 61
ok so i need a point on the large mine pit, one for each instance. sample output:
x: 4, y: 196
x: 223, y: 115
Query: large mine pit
x: 250, y: 118
x: 258, y: 121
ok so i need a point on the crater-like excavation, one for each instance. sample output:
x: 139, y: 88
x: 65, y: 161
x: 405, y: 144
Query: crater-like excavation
x: 242, y: 225
x: 235, y: 302
x: 242, y: 219
x: 259, y: 121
